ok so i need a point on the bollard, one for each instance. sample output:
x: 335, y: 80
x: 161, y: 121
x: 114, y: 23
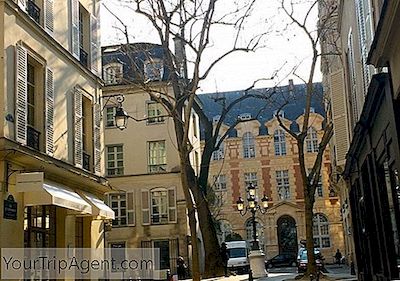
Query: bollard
x: 352, y: 269
x: 168, y: 275
x: 251, y: 275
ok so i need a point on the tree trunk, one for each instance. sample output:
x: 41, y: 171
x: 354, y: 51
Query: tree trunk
x: 214, y: 265
x: 186, y: 182
x: 311, y: 265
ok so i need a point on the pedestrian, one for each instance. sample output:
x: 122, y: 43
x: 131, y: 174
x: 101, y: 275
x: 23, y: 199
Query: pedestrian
x: 225, y: 257
x: 338, y: 256
x: 181, y: 268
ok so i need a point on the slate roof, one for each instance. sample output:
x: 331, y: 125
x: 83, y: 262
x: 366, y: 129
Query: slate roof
x: 212, y: 104
x: 132, y: 57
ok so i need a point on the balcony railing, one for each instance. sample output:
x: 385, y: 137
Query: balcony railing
x: 33, y: 11
x: 86, y: 161
x: 32, y: 139
x: 83, y: 57
x: 160, y: 168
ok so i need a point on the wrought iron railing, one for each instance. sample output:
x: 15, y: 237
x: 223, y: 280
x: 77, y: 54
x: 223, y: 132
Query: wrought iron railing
x: 32, y: 139
x: 33, y: 11
x: 83, y: 57
x: 86, y: 161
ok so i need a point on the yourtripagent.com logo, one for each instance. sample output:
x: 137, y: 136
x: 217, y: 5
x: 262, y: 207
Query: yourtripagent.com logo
x: 80, y: 263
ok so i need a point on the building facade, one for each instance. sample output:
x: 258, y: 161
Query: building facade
x: 363, y: 84
x: 142, y: 161
x: 270, y: 162
x: 51, y: 141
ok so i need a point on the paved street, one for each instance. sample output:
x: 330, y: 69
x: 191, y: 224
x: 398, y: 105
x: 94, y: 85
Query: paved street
x: 288, y: 273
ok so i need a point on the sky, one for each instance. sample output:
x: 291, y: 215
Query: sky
x: 284, y: 47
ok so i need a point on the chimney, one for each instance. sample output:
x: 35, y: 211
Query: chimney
x: 180, y: 55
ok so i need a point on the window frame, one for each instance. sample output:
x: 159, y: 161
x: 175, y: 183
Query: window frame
x: 249, y: 146
x: 219, y: 154
x: 156, y: 66
x: 157, y: 118
x: 219, y: 182
x: 110, y: 123
x: 115, y: 77
x: 320, y: 227
x: 280, y: 142
x: 162, y: 206
x: 115, y: 160
x: 283, y: 182
x: 160, y: 159
x: 117, y: 221
x: 311, y: 140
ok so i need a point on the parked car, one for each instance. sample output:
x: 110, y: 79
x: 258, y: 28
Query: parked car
x: 303, y: 260
x: 281, y: 260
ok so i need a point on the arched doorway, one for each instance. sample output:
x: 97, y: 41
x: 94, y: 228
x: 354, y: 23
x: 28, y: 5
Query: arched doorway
x: 287, y: 235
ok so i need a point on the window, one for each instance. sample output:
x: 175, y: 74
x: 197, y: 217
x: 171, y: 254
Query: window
x: 39, y: 227
x: 112, y: 73
x: 123, y: 206
x: 118, y: 205
x: 163, y: 246
x: 219, y: 153
x: 312, y: 140
x: 318, y: 188
x: 248, y: 145
x: 34, y: 108
x: 118, y: 254
x: 155, y: 113
x: 282, y: 182
x: 34, y: 95
x: 153, y: 70
x: 159, y: 206
x: 115, y: 160
x: 250, y: 178
x: 157, y: 156
x: 110, y: 116
x: 194, y: 123
x: 279, y: 142
x: 84, y: 43
x: 40, y: 11
x: 321, y: 231
x: 87, y: 132
x: 219, y: 182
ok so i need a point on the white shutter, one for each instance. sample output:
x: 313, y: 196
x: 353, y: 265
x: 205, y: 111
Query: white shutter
x: 94, y: 44
x: 171, y: 205
x: 49, y: 113
x: 97, y: 142
x: 75, y: 28
x: 21, y: 117
x: 145, y: 207
x: 22, y: 4
x: 130, y: 208
x: 78, y: 145
x: 339, y: 113
x: 49, y: 16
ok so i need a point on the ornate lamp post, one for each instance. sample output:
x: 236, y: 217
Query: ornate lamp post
x: 257, y: 261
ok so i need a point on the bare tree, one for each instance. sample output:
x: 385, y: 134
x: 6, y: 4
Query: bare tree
x: 188, y: 25
x: 324, y: 31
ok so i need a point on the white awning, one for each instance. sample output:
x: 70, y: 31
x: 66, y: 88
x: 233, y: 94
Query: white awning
x: 44, y: 192
x: 99, y: 208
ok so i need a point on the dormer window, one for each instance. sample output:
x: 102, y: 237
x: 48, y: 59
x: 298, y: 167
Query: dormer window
x: 153, y: 70
x: 113, y: 73
x: 281, y: 113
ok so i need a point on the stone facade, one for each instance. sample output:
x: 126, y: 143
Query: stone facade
x: 266, y: 162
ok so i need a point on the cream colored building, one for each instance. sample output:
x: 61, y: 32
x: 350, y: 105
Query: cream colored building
x: 270, y: 162
x: 51, y: 136
x: 142, y: 161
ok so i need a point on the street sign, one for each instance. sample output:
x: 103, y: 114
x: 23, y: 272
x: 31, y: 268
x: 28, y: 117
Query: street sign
x: 10, y: 208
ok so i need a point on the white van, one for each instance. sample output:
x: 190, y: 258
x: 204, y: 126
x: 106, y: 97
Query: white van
x: 238, y: 256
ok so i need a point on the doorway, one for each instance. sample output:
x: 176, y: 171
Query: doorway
x: 287, y: 235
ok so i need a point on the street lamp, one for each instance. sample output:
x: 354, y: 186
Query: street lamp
x: 253, y: 206
x: 120, y: 117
